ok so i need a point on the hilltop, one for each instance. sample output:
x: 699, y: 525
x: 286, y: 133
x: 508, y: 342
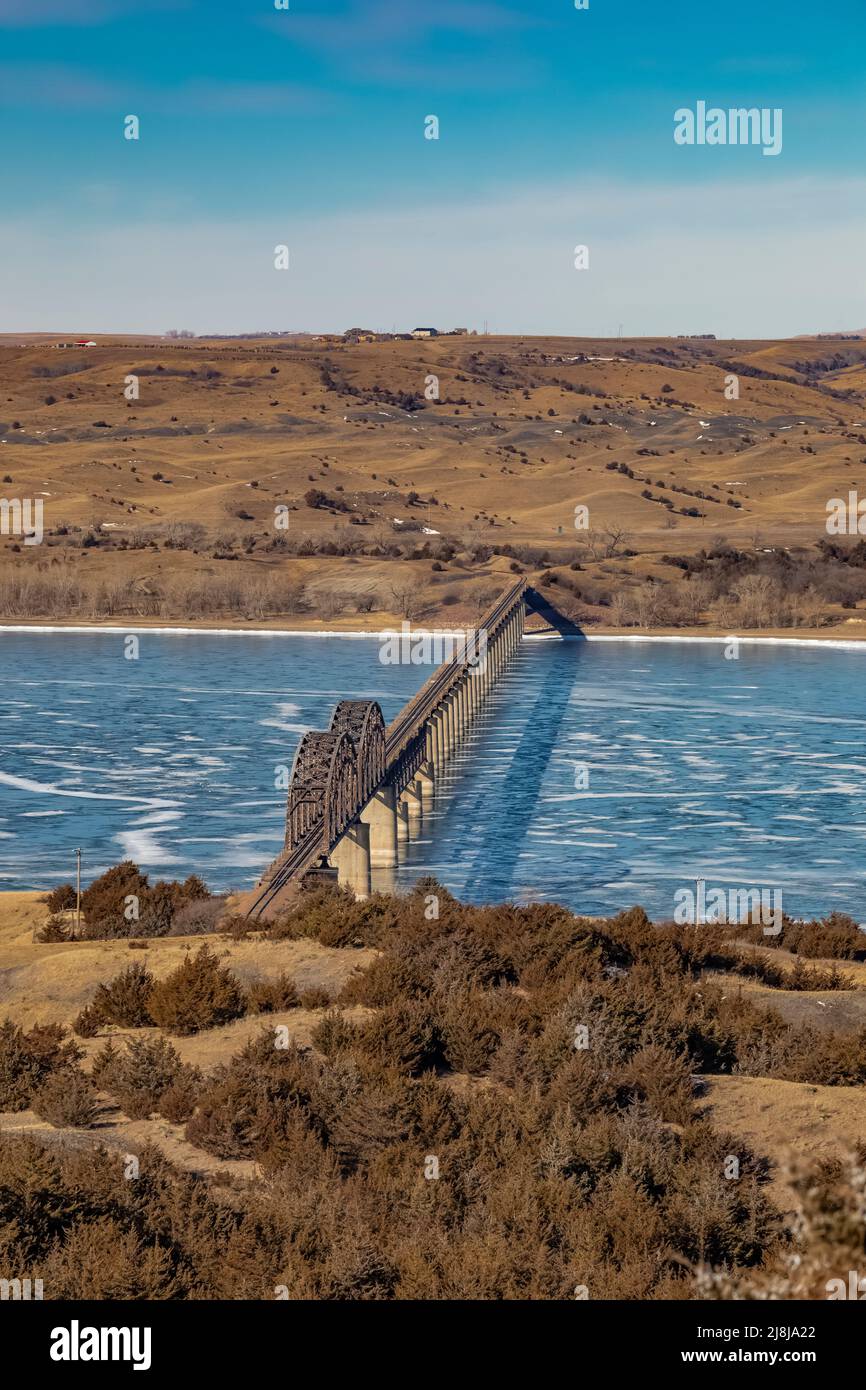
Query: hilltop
x: 317, y: 480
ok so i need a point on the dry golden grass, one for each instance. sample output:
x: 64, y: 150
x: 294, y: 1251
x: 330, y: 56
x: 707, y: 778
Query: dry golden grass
x: 501, y: 467
x: 118, y: 1134
x: 42, y: 983
x: 792, y: 1123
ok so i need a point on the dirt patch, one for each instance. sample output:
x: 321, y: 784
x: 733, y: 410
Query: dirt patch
x: 218, y: 1045
x: 788, y: 1121
x: 51, y: 983
x: 853, y: 970
x: 115, y: 1132
x: 830, y: 1010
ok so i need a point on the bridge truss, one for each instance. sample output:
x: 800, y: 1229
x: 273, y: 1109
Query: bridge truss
x: 337, y: 772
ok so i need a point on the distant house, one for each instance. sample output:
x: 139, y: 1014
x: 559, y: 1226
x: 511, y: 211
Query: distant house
x: 88, y: 343
x: 425, y: 332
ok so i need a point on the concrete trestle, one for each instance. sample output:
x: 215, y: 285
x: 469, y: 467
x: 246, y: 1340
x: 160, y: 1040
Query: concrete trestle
x: 385, y: 793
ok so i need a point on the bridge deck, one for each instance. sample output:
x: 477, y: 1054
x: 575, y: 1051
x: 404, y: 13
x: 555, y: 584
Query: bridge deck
x: 404, y: 744
x: 415, y: 714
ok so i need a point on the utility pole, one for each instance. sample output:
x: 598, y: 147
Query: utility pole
x: 78, y: 894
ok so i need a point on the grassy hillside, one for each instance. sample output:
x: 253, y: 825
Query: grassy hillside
x: 316, y: 481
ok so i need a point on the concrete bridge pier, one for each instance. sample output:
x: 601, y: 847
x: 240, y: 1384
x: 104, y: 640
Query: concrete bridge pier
x: 450, y: 725
x: 402, y: 822
x: 414, y: 807
x: 482, y: 679
x: 447, y: 732
x: 495, y: 660
x: 441, y: 718
x: 464, y: 706
x: 458, y: 715
x: 432, y: 742
x: 472, y: 696
x: 351, y: 858
x: 425, y: 785
x: 384, y: 880
x: 380, y: 814
x: 434, y: 746
x: 454, y: 716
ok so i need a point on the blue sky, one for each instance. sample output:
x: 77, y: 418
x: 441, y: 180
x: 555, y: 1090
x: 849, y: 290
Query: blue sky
x: 306, y: 127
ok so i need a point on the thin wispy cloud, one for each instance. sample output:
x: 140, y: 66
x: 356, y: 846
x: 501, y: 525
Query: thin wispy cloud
x: 762, y: 65
x: 256, y: 98
x: 389, y: 41
x: 714, y: 257
x: 65, y: 87
x: 26, y: 86
x: 456, y: 75
x: 42, y: 14
x: 394, y: 22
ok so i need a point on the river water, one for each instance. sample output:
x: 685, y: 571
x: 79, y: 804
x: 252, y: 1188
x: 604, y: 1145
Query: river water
x: 602, y: 774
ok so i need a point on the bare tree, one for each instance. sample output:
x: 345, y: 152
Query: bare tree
x: 482, y: 599
x: 407, y: 598
x: 615, y: 536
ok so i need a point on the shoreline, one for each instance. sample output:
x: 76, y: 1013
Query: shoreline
x: 771, y: 637
x: 32, y: 899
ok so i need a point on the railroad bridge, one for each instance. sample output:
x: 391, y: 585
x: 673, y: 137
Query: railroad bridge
x: 360, y: 789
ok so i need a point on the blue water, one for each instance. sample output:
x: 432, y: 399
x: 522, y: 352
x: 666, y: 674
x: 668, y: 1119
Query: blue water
x: 748, y: 773
x: 601, y: 775
x: 177, y: 759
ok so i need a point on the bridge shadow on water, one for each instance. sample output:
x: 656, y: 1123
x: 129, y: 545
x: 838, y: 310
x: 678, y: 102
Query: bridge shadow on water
x: 488, y: 804
x: 555, y: 620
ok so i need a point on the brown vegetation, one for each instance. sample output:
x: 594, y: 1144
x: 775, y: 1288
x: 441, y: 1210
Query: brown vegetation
x: 506, y: 1103
x: 200, y: 993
